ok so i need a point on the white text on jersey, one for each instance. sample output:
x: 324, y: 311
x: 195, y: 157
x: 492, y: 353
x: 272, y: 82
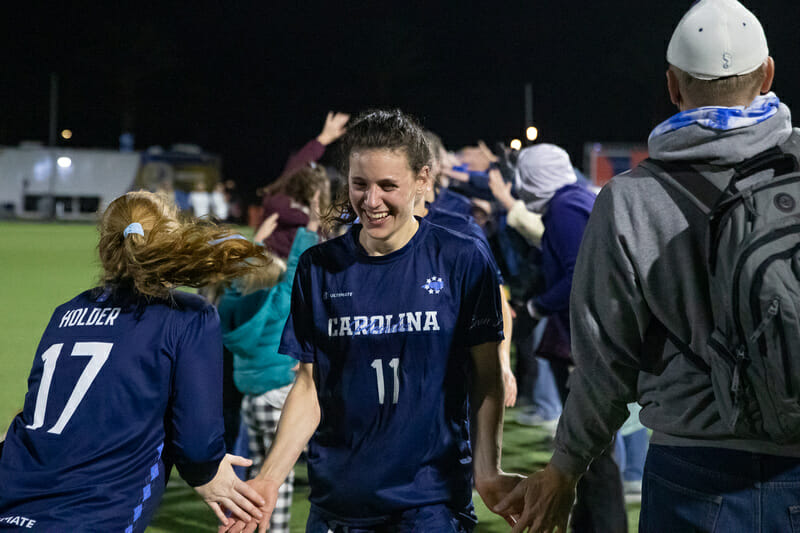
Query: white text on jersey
x: 97, y: 317
x: 18, y: 521
x: 346, y: 326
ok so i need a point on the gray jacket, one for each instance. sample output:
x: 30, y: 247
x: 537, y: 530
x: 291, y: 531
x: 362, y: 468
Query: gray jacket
x: 642, y: 257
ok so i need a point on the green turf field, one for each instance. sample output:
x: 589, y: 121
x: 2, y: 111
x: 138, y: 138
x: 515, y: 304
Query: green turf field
x: 44, y: 265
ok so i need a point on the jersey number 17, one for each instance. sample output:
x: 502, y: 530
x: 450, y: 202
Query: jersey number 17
x: 98, y: 351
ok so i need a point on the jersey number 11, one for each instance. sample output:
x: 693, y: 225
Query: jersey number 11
x: 377, y: 364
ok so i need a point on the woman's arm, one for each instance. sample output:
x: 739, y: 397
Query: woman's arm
x: 486, y: 398
x: 299, y: 420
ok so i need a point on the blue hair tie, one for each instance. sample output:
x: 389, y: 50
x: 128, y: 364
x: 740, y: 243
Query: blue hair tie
x: 229, y: 237
x: 133, y: 227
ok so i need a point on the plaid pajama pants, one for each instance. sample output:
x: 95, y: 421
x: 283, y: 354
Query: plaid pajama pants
x: 261, y: 419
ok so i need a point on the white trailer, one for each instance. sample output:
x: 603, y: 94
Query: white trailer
x: 64, y: 183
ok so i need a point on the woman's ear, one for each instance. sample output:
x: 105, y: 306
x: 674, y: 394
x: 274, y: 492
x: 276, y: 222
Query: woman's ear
x: 424, y: 180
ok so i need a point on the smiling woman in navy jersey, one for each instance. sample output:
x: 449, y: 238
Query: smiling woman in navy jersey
x: 395, y: 324
x: 127, y: 382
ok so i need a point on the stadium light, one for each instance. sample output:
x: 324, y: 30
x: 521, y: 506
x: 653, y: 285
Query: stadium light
x: 531, y: 133
x: 64, y: 162
x: 66, y: 134
x: 515, y: 144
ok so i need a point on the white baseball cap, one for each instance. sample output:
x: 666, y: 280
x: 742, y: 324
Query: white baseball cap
x: 716, y: 39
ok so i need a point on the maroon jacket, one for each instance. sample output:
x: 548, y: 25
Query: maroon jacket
x: 290, y: 217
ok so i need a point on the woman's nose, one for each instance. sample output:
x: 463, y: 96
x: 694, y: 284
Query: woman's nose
x: 372, y: 196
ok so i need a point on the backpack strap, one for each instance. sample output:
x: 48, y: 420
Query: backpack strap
x: 775, y: 159
x: 655, y: 338
x: 683, y: 177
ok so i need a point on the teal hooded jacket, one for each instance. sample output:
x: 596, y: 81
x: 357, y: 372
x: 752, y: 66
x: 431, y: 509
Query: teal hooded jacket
x: 252, y: 325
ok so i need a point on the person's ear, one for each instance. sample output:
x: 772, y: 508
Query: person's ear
x: 673, y: 86
x: 423, y: 179
x: 770, y: 75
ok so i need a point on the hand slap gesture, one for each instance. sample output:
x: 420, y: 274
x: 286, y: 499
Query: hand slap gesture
x: 227, y: 491
x: 541, y: 502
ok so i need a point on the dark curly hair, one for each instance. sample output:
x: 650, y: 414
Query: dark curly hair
x: 378, y: 129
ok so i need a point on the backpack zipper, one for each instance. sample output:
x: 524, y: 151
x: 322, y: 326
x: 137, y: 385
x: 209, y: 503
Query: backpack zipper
x: 737, y: 273
x: 755, y: 307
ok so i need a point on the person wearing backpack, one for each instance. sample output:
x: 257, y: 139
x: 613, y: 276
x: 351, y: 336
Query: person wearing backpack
x: 684, y: 298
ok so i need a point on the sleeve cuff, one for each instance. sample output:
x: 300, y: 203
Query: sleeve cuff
x: 198, y: 473
x: 568, y: 464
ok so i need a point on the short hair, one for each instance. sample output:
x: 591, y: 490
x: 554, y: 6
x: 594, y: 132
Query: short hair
x: 378, y: 129
x: 728, y: 91
x: 166, y: 251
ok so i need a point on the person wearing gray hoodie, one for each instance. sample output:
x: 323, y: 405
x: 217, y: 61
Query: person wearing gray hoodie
x: 641, y: 311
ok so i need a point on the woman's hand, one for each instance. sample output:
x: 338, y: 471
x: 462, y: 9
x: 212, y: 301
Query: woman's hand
x: 266, y: 228
x: 227, y: 491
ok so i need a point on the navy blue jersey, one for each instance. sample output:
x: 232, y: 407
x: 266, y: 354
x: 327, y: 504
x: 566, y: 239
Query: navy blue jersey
x: 462, y: 224
x: 389, y: 337
x: 119, y: 391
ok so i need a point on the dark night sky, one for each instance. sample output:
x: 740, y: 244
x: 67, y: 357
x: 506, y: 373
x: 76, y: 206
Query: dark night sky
x: 252, y: 81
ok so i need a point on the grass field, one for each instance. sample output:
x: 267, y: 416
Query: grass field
x: 44, y: 265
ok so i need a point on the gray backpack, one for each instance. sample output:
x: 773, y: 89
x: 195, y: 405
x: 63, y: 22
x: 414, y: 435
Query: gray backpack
x: 753, y: 261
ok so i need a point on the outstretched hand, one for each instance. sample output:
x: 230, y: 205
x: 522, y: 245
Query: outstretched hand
x: 487, y: 152
x: 541, y: 502
x: 496, y: 489
x: 501, y: 189
x: 228, y: 491
x: 268, y: 490
x: 333, y: 128
x: 266, y: 228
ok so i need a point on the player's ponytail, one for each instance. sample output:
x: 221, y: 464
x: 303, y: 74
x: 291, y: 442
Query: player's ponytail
x: 145, y: 246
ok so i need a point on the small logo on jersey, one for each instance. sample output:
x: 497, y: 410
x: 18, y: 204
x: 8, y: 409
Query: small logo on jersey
x: 331, y: 295
x: 433, y: 285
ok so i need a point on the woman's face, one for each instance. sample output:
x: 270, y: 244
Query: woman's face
x: 383, y: 192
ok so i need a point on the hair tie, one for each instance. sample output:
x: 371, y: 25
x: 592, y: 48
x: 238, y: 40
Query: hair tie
x: 229, y: 237
x: 133, y: 227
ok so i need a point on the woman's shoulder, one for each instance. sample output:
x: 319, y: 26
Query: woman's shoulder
x: 186, y: 301
x: 330, y: 254
x: 450, y: 236
x: 455, y: 246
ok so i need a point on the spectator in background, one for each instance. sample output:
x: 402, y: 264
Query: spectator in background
x: 467, y: 226
x: 443, y: 197
x: 290, y: 194
x: 546, y: 395
x: 642, y: 313
x: 219, y: 202
x: 200, y: 200
x: 314, y: 149
x: 252, y: 318
x: 290, y: 198
x: 546, y: 183
x: 127, y: 381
